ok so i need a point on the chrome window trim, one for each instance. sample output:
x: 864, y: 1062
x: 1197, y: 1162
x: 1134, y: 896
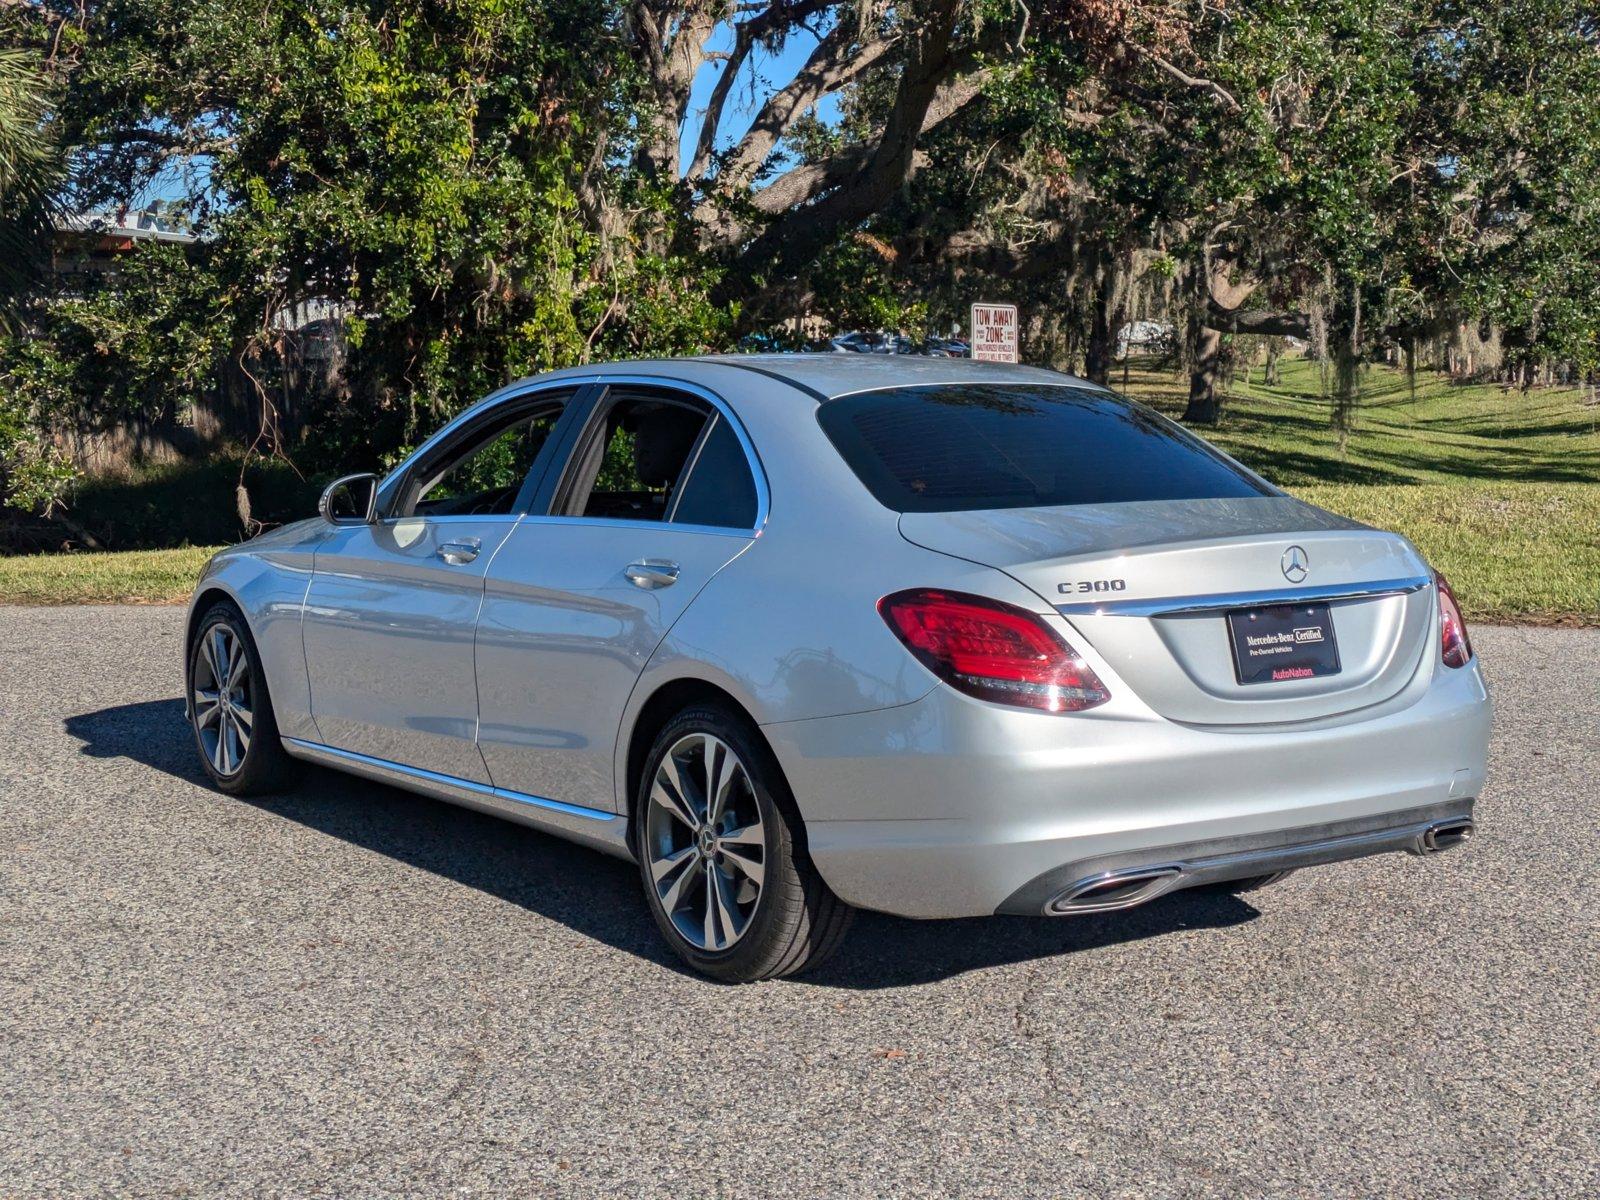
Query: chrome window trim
x: 509, y: 394
x: 1197, y: 606
x: 453, y: 518
x: 624, y: 523
x: 719, y: 407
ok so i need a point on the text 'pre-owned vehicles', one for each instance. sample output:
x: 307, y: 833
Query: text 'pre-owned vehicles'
x: 799, y: 634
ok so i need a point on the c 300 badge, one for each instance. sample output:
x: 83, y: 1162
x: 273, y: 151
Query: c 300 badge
x: 1077, y: 587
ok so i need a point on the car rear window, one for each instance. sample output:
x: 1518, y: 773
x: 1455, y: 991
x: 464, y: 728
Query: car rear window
x: 963, y: 447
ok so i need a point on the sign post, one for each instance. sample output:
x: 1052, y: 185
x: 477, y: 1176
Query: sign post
x: 994, y: 332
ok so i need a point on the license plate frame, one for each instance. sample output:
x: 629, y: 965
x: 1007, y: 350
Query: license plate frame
x: 1281, y: 643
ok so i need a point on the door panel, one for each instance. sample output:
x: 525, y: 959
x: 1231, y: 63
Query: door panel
x: 390, y: 615
x: 564, y: 635
x: 388, y: 638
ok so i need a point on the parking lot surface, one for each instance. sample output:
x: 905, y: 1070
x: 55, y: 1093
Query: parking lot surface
x: 349, y: 991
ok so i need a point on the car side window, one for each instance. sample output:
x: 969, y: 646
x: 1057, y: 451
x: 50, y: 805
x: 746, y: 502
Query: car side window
x: 720, y: 489
x: 484, y: 474
x: 630, y: 465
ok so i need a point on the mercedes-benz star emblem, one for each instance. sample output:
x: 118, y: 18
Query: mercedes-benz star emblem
x: 1295, y: 563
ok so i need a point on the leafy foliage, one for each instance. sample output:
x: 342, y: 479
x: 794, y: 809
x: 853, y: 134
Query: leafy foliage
x: 472, y: 190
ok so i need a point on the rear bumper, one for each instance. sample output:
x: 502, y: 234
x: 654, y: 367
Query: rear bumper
x: 1119, y: 881
x: 951, y: 807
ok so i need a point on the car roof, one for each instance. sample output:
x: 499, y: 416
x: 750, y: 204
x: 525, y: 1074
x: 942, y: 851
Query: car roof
x: 825, y: 376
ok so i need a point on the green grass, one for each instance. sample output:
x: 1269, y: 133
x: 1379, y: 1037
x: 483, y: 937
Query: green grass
x: 126, y: 577
x: 1500, y: 489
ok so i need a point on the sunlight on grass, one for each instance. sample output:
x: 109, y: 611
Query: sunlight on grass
x: 1499, y: 489
x: 128, y: 577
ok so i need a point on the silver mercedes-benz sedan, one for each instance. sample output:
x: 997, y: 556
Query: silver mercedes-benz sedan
x: 800, y: 634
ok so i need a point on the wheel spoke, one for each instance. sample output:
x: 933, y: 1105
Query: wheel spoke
x: 662, y: 867
x: 673, y: 896
x: 208, y: 655
x: 722, y: 768
x: 241, y: 735
x: 746, y: 835
x: 241, y: 664
x: 663, y: 796
x: 244, y: 719
x: 713, y: 940
x: 221, y: 660
x: 719, y: 910
x: 207, y: 704
x: 755, y: 870
x: 222, y: 755
x: 692, y: 804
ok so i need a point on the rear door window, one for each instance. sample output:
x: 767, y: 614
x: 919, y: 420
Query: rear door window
x: 966, y: 447
x: 631, y: 461
x: 720, y: 489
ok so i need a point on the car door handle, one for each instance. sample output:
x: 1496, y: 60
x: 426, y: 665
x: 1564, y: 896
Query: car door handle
x: 652, y: 573
x: 460, y: 552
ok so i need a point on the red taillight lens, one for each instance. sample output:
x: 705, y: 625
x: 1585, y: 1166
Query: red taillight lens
x: 992, y: 650
x: 1454, y: 644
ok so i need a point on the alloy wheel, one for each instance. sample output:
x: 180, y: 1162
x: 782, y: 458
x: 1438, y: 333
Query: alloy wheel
x: 705, y: 842
x: 224, y: 699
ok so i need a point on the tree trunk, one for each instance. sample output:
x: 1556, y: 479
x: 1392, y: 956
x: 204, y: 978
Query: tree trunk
x: 1205, y: 408
x: 1105, y: 322
x: 1269, y: 375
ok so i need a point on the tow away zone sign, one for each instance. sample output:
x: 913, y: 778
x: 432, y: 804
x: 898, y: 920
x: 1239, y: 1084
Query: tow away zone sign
x: 994, y: 332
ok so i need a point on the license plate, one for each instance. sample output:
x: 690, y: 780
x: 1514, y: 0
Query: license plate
x: 1281, y: 642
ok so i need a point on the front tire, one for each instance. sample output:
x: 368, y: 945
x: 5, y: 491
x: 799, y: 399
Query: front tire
x: 230, y: 710
x: 722, y: 854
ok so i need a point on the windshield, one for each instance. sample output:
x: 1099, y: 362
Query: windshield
x: 963, y: 447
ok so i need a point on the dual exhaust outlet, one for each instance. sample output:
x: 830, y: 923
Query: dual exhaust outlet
x: 1110, y: 891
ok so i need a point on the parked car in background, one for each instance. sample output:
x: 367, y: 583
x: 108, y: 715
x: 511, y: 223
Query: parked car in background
x: 937, y: 347
x: 799, y: 635
x: 857, y: 342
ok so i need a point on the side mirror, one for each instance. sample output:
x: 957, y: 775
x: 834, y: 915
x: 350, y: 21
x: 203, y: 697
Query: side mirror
x: 352, y: 500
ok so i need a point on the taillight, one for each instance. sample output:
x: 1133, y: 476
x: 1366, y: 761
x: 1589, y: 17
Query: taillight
x: 993, y: 651
x: 1454, y: 645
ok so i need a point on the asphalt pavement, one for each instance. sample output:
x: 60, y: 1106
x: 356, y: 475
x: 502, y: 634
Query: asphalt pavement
x: 348, y: 991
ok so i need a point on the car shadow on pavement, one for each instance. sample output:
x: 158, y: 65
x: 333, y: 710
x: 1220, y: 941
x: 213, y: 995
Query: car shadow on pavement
x: 598, y: 896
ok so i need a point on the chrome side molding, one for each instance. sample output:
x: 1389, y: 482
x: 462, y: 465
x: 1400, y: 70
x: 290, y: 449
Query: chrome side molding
x: 1204, y: 605
x: 592, y: 827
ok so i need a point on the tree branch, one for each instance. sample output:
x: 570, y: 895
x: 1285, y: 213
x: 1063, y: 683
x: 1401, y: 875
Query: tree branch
x: 1259, y: 321
x: 796, y: 236
x: 1173, y: 71
x: 837, y: 60
x: 779, y: 15
x: 672, y: 38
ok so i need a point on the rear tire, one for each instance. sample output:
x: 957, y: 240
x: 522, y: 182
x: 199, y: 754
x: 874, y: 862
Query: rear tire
x: 722, y: 854
x: 230, y: 710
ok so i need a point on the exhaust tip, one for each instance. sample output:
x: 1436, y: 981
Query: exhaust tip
x: 1445, y: 835
x: 1114, y: 890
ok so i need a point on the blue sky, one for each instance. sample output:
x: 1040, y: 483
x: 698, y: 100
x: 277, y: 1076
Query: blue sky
x: 766, y: 72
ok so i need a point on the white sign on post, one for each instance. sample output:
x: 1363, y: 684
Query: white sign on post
x: 994, y: 332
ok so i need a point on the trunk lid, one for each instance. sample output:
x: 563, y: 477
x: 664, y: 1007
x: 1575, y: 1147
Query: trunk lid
x: 1148, y: 586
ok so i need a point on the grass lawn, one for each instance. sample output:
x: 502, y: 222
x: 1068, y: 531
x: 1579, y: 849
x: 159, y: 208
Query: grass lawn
x: 1500, y: 490
x: 125, y: 577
